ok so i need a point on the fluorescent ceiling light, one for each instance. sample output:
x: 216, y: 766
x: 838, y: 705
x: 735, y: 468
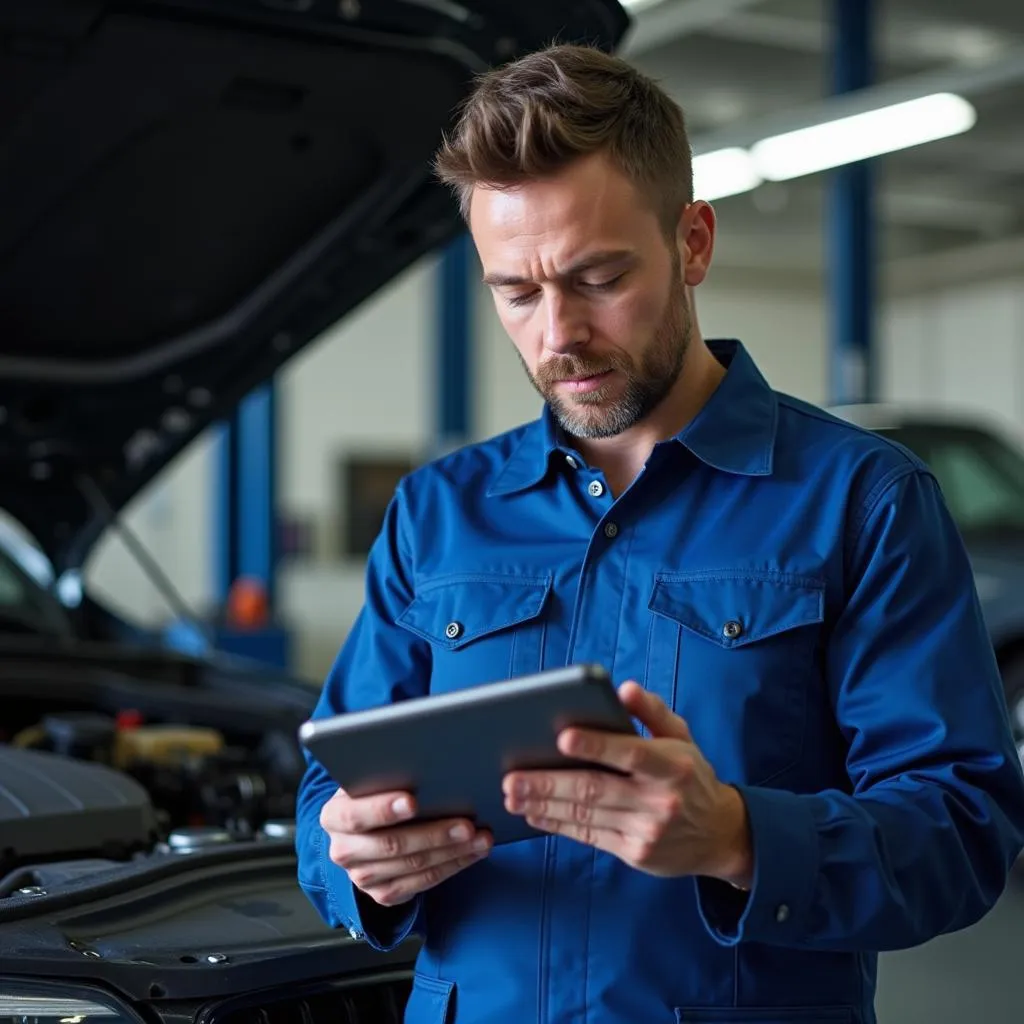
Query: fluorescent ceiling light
x: 822, y: 147
x: 849, y: 140
x: 725, y: 172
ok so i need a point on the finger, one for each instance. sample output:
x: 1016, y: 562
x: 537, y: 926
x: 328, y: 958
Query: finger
x: 609, y: 840
x: 650, y: 709
x: 343, y: 813
x: 630, y: 754
x: 566, y: 811
x: 350, y: 849
x: 376, y: 873
x: 592, y: 788
x: 401, y: 890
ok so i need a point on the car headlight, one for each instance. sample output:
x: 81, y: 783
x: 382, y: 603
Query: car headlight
x: 29, y: 1003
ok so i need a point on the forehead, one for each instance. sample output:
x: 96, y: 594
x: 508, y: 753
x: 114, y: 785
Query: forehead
x: 589, y: 203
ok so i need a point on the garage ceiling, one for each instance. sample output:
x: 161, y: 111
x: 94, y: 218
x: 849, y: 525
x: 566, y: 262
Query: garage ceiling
x: 946, y: 204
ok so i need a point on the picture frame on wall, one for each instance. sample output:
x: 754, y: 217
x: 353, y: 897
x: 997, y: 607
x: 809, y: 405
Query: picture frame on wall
x: 368, y: 483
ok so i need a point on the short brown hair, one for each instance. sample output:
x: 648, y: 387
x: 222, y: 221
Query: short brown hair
x: 533, y: 117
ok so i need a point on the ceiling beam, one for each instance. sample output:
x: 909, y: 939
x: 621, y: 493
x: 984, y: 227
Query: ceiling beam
x: 905, y: 40
x: 658, y: 23
x: 970, y: 81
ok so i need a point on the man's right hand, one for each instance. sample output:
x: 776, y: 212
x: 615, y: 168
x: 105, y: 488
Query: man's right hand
x: 391, y: 859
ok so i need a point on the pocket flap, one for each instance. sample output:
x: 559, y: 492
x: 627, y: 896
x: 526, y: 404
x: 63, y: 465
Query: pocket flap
x: 733, y: 608
x: 456, y: 610
x: 429, y: 1000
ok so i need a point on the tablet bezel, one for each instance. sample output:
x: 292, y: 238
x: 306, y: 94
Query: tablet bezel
x: 406, y: 746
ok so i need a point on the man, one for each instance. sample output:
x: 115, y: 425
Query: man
x: 827, y: 768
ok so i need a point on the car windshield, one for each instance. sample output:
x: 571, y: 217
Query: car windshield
x: 981, y: 475
x: 27, y: 605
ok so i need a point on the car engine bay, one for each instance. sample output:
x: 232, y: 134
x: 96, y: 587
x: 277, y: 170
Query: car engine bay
x: 146, y: 852
x: 188, y: 756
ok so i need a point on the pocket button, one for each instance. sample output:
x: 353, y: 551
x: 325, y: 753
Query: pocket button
x: 732, y: 630
x: 453, y: 630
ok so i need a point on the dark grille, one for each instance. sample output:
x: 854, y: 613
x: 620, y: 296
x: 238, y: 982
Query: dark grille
x: 378, y: 1002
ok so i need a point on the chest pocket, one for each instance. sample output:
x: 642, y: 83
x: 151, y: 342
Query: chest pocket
x: 482, y: 628
x: 736, y: 654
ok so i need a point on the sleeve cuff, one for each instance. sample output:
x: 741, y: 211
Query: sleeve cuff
x: 786, y: 866
x: 383, y: 928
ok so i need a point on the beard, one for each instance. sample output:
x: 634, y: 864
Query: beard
x: 648, y: 379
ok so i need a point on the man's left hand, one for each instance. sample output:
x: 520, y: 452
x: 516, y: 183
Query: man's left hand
x: 669, y: 815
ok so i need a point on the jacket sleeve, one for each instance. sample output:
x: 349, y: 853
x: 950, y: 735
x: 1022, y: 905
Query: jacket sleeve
x: 922, y: 841
x: 379, y: 663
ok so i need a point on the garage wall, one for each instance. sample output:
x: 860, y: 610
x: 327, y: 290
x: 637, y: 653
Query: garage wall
x: 960, y: 348
x: 368, y: 385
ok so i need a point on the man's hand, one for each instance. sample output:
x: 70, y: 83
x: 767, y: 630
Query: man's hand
x: 390, y: 859
x: 668, y: 816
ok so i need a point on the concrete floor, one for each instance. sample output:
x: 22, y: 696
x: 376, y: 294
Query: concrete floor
x: 977, y: 974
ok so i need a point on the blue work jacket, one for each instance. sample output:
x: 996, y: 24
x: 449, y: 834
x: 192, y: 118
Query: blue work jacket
x: 793, y: 586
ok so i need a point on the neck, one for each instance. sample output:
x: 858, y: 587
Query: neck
x: 622, y: 457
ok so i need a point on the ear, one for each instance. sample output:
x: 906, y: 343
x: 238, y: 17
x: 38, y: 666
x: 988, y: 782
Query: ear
x: 695, y: 240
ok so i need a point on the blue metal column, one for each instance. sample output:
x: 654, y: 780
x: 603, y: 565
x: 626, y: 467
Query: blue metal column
x: 257, y: 487
x: 245, y: 495
x: 225, y: 510
x: 851, y: 228
x: 454, y: 346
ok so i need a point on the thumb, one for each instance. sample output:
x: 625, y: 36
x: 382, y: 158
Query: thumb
x: 654, y: 713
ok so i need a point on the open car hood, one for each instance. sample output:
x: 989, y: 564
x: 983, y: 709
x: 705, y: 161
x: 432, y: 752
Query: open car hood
x: 192, y: 190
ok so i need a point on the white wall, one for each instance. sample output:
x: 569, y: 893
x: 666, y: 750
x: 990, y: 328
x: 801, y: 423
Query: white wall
x: 959, y: 348
x: 367, y: 384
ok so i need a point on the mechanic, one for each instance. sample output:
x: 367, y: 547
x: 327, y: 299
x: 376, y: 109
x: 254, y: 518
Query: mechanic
x: 827, y: 768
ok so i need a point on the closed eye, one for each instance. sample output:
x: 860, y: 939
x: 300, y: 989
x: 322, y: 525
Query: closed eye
x: 603, y: 286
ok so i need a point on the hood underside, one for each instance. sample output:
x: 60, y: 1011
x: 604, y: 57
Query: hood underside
x: 192, y: 190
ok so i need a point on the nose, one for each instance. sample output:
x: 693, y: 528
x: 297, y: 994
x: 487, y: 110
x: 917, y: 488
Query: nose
x: 565, y: 325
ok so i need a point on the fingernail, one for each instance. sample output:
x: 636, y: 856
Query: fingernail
x: 402, y: 806
x: 460, y: 833
x: 480, y: 844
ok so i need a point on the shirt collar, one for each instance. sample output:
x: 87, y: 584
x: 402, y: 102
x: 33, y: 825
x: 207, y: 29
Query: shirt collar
x: 734, y: 431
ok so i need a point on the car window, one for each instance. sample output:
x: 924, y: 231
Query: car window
x: 981, y: 475
x: 25, y: 603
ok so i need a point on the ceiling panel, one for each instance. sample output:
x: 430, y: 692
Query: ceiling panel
x: 775, y: 56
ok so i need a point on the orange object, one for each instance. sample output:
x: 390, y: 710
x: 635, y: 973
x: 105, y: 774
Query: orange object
x: 247, y: 604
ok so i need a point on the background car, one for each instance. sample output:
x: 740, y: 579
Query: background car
x: 980, y: 469
x: 190, y: 192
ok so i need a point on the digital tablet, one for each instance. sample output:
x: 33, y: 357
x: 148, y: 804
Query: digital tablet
x: 452, y: 750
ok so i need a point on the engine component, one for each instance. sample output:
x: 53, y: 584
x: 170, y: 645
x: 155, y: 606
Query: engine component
x: 278, y: 828
x: 165, y: 744
x: 54, y: 807
x: 80, y: 734
x: 196, y: 838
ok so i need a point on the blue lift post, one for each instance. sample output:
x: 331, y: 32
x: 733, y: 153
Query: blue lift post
x: 453, y: 385
x: 851, y: 228
x: 244, y: 517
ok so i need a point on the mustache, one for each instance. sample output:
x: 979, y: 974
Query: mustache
x: 559, y: 368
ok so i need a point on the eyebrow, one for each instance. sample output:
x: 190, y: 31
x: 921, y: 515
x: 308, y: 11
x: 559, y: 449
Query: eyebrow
x: 596, y: 259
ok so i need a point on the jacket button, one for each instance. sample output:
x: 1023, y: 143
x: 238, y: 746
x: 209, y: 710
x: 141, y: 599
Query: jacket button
x: 595, y: 488
x: 732, y: 630
x: 572, y: 463
x: 355, y: 933
x: 453, y: 630
x: 611, y: 530
x: 782, y: 913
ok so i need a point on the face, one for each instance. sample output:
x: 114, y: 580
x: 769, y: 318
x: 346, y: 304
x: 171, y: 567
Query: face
x: 591, y: 291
